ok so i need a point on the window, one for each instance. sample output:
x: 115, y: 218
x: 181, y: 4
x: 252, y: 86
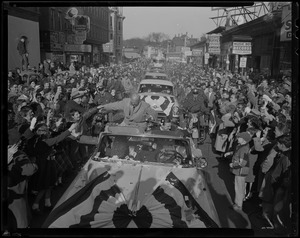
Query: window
x: 52, y: 18
x: 119, y: 25
x: 59, y: 21
x: 119, y: 40
x: 111, y: 36
x: 110, y: 22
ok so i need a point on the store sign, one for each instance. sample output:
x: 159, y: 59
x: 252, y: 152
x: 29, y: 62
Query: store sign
x: 78, y: 48
x: 184, y: 49
x: 70, y: 39
x: 214, y: 44
x: 81, y: 23
x: 108, y: 47
x: 80, y: 37
x: 286, y: 20
x: 62, y: 38
x: 57, y: 58
x: 241, y: 48
x: 188, y: 53
x: 54, y: 37
x: 197, y: 52
x: 243, y: 62
x: 56, y: 47
x: 206, y: 57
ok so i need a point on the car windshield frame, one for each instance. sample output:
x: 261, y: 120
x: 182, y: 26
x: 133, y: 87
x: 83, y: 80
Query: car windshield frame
x: 111, y: 145
x: 153, y: 76
x: 156, y: 88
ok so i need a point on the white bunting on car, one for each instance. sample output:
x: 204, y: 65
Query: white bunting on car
x: 160, y: 103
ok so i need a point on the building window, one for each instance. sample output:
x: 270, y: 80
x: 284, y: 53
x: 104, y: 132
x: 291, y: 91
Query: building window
x: 110, y: 22
x: 119, y: 40
x: 59, y: 21
x: 111, y: 36
x: 119, y: 25
x: 52, y: 18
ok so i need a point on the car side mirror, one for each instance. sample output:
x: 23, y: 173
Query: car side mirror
x: 200, y: 162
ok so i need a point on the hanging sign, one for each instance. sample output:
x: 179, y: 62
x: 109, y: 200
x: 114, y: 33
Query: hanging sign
x: 286, y: 20
x: 241, y: 48
x: 214, y: 44
x: 243, y: 62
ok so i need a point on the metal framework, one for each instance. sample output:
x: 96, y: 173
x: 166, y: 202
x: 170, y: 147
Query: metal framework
x: 243, y: 14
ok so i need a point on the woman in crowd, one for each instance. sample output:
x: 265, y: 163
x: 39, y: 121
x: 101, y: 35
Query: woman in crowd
x: 20, y: 168
x: 46, y: 174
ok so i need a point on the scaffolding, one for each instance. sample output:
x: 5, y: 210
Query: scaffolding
x: 243, y: 14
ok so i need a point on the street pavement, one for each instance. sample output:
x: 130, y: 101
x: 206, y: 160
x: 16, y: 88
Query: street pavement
x: 221, y: 186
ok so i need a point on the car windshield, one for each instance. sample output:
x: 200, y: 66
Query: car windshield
x: 160, y: 61
x: 156, y: 88
x: 151, y: 149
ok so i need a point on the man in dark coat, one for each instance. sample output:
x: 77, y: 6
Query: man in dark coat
x: 74, y: 103
x: 22, y: 49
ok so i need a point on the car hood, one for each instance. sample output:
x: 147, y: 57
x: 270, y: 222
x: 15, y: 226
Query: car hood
x: 145, y: 188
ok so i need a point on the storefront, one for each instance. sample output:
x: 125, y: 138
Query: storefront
x: 259, y: 41
x: 81, y: 53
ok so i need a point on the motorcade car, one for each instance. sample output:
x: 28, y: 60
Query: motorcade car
x: 161, y: 95
x: 152, y: 69
x: 138, y: 178
x: 155, y: 75
x: 158, y: 62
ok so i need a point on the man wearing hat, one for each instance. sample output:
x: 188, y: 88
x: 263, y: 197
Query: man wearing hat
x: 240, y: 168
x: 102, y: 97
x: 74, y: 103
x: 118, y: 86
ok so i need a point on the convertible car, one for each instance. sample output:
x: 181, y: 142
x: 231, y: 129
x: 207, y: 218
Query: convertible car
x: 138, y: 179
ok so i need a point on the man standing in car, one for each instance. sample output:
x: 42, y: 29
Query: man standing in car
x: 135, y: 110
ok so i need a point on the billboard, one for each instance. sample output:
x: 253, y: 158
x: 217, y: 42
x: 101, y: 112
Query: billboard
x: 214, y: 44
x: 80, y: 24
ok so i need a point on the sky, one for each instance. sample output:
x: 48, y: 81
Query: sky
x: 140, y: 21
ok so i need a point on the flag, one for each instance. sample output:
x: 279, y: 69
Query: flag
x: 101, y: 204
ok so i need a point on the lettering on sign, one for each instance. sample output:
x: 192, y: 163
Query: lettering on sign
x: 54, y: 37
x: 286, y: 29
x: 197, y: 52
x: 82, y: 23
x: 80, y: 37
x: 56, y: 46
x: 241, y: 48
x: 70, y: 39
x: 78, y: 48
x: 57, y: 58
x: 62, y: 38
x: 243, y: 62
x: 214, y: 50
x: 214, y: 44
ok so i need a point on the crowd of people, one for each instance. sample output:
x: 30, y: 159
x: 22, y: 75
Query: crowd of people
x: 54, y: 117
x: 250, y: 124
